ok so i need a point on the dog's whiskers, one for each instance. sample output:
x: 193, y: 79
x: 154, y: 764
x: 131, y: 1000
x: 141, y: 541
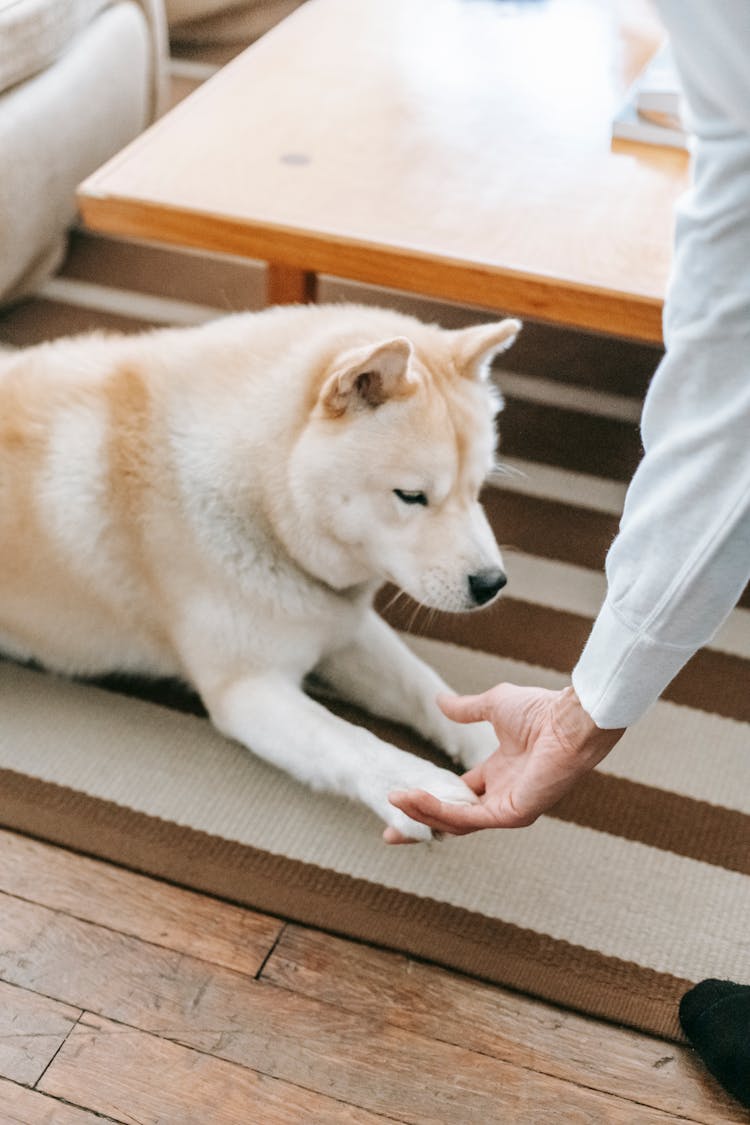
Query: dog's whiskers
x: 500, y: 469
x: 431, y: 615
x: 394, y: 600
x: 413, y: 619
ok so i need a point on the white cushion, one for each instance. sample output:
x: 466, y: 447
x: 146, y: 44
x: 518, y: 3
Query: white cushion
x: 59, y: 126
x: 33, y: 33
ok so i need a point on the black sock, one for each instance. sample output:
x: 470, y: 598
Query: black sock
x: 715, y: 1016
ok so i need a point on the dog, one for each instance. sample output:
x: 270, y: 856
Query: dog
x: 221, y: 504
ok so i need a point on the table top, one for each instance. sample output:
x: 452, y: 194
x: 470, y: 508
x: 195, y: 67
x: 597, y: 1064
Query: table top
x: 456, y: 148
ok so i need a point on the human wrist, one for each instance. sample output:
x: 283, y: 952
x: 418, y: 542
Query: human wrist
x: 576, y: 730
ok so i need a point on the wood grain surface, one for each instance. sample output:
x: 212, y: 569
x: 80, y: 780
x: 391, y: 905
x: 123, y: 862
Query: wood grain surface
x: 458, y: 150
x: 100, y: 1020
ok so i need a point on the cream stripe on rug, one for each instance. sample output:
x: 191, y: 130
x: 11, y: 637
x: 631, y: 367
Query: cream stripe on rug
x: 563, y: 485
x: 591, y: 889
x: 689, y: 752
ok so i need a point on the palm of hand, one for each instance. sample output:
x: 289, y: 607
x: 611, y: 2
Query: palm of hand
x: 546, y: 741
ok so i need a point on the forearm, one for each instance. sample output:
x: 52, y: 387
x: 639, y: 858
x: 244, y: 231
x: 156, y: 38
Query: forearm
x: 682, y: 556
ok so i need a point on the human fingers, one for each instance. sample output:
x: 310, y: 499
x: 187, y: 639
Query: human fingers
x: 463, y: 708
x: 476, y: 779
x: 442, y: 816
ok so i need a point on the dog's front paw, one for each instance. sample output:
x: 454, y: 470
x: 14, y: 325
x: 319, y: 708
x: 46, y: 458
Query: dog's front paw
x: 443, y: 784
x: 408, y: 831
x: 471, y: 744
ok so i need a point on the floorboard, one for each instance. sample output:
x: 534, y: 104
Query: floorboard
x: 124, y: 997
x: 453, y: 1009
x: 132, y: 904
x: 110, y: 1068
x: 33, y: 1028
x: 21, y: 1106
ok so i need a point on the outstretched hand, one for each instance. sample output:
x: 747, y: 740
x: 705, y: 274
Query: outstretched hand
x: 546, y: 742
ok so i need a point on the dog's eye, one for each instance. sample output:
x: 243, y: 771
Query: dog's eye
x: 410, y: 497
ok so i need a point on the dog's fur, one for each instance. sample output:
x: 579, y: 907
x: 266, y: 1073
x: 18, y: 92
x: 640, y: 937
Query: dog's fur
x: 220, y: 504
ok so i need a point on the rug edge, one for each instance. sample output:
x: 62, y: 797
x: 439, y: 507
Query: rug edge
x: 501, y: 953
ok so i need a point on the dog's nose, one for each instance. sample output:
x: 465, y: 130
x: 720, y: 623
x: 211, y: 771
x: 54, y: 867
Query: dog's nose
x: 486, y: 584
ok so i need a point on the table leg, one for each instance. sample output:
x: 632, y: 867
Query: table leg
x: 287, y: 285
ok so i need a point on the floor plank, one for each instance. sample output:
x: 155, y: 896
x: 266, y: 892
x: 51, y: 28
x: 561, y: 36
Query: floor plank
x: 19, y: 1106
x: 455, y: 1009
x: 32, y: 1030
x: 133, y: 904
x: 358, y: 1059
x: 110, y: 1069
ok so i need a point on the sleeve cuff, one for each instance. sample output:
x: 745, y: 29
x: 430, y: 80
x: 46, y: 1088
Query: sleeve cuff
x: 622, y: 672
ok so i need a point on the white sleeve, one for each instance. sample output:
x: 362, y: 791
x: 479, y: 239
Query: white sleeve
x: 682, y: 555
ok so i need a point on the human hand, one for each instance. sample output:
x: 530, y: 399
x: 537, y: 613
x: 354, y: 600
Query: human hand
x: 546, y: 742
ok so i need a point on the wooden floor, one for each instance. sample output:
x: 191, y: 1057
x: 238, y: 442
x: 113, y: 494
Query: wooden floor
x: 129, y: 1000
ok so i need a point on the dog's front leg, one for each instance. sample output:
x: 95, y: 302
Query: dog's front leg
x: 270, y: 715
x: 381, y: 674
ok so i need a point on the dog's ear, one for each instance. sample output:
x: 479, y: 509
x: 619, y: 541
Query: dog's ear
x: 475, y: 347
x: 367, y: 377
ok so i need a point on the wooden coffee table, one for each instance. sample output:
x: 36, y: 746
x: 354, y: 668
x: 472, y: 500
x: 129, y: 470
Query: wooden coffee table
x: 458, y: 149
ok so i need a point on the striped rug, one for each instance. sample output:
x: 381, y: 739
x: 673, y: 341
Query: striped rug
x: 635, y: 886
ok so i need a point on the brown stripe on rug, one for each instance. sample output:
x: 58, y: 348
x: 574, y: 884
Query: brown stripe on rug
x: 569, y: 439
x: 661, y: 819
x: 552, y: 529
x: 553, y: 638
x: 605, y: 364
x: 549, y: 528
x: 530, y: 961
x: 38, y: 320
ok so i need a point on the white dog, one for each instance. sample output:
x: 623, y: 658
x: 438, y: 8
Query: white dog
x: 221, y: 503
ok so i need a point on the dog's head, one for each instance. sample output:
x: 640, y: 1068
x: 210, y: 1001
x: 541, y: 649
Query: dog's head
x: 399, y: 440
